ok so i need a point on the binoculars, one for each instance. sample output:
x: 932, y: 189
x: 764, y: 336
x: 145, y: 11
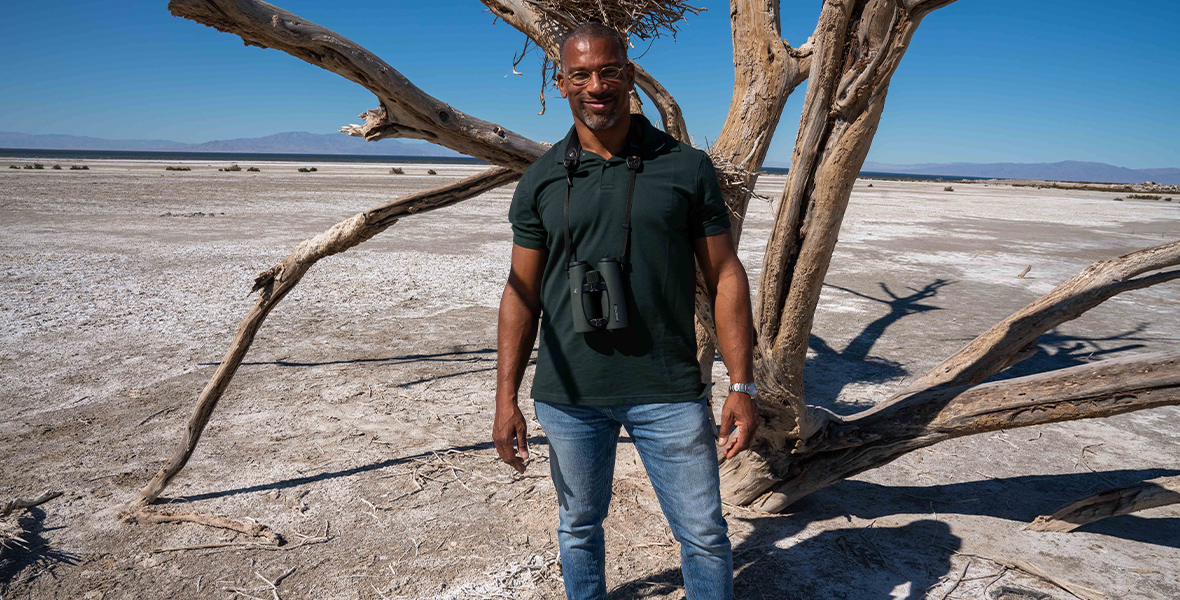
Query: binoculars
x: 596, y: 295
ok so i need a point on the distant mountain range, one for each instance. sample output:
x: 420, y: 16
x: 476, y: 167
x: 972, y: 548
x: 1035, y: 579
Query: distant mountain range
x: 1069, y: 170
x: 291, y: 142
x: 302, y: 142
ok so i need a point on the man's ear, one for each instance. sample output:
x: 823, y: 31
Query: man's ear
x: 630, y: 70
x: 559, y: 79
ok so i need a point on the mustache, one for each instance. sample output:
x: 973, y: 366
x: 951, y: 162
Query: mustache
x: 604, y: 98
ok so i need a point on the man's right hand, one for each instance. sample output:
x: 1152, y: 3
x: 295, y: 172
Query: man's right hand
x: 510, y: 433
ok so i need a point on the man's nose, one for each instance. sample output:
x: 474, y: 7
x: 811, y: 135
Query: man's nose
x: 596, y: 84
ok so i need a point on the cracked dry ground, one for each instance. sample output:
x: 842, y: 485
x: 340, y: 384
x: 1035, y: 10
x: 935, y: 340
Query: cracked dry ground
x: 358, y: 427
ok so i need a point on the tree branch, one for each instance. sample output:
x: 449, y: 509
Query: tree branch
x: 1004, y: 344
x: 280, y: 279
x: 1153, y: 493
x: 405, y: 111
x: 921, y: 8
x: 539, y: 27
x: 879, y: 435
x: 670, y: 113
x: 12, y: 505
x: 547, y: 33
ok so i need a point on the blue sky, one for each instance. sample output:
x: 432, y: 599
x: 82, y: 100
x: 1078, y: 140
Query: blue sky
x: 983, y: 81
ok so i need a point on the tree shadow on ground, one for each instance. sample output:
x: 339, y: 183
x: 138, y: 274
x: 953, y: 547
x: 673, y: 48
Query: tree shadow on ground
x: 1056, y: 350
x: 857, y: 562
x: 295, y: 482
x: 34, y: 555
x: 861, y: 563
x: 829, y: 371
x: 456, y: 354
x: 1017, y: 499
x: 879, y: 563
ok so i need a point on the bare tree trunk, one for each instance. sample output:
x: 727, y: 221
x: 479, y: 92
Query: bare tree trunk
x: 839, y: 448
x: 766, y: 70
x: 850, y: 59
x: 857, y: 45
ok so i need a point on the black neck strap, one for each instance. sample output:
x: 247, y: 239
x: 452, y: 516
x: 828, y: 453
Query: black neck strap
x: 573, y: 151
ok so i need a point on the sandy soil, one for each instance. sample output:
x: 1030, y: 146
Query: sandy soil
x: 359, y: 426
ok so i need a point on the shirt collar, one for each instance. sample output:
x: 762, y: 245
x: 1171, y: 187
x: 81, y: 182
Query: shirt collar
x: 652, y: 140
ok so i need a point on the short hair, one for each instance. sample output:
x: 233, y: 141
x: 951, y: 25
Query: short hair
x: 593, y: 30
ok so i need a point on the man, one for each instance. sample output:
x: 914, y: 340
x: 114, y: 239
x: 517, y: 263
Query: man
x: 622, y: 354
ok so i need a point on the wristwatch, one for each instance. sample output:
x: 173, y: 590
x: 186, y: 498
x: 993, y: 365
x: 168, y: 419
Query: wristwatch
x: 745, y: 388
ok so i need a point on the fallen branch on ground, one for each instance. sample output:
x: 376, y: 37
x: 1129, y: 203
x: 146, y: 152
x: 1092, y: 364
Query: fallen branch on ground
x: 12, y: 505
x: 145, y: 515
x: 1111, y: 503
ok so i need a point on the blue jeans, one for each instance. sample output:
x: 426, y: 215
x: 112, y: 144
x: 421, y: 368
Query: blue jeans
x: 675, y: 442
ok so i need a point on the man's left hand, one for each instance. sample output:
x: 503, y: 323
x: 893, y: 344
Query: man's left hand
x: 738, y: 411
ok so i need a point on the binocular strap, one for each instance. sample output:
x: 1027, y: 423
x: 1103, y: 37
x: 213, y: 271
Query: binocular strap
x: 573, y: 150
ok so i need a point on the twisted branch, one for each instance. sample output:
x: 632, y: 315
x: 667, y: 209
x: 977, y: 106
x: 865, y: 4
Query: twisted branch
x: 276, y: 282
x: 406, y: 111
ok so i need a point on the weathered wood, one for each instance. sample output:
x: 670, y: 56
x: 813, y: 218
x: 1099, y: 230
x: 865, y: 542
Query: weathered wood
x: 1001, y: 346
x: 1079, y: 591
x: 875, y: 437
x: 253, y: 529
x: 406, y: 111
x: 547, y: 33
x: 854, y: 51
x: 850, y: 59
x: 280, y: 279
x: 1152, y: 493
x: 12, y: 505
x: 766, y: 71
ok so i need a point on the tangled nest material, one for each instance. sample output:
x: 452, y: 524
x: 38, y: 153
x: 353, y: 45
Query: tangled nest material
x: 735, y: 181
x: 12, y: 529
x: 11, y: 532
x: 644, y: 19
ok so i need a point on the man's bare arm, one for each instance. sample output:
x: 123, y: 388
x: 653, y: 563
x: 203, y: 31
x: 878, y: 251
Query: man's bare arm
x: 520, y: 307
x: 729, y: 289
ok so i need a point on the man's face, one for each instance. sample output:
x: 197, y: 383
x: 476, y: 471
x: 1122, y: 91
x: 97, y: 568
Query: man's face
x: 598, y: 103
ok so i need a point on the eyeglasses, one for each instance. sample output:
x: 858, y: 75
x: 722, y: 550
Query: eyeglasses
x: 609, y: 73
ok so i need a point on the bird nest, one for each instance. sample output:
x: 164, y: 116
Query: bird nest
x: 644, y: 19
x: 735, y: 180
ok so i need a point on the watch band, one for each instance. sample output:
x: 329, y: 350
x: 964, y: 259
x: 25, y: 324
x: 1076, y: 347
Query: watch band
x: 745, y: 388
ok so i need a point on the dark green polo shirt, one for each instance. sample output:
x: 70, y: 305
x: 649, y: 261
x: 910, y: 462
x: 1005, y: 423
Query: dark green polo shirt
x: 677, y: 199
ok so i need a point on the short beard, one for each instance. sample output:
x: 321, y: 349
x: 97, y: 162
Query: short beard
x: 597, y: 122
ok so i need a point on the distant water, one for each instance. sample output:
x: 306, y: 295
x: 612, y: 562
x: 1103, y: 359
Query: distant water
x: 230, y: 157
x: 901, y: 176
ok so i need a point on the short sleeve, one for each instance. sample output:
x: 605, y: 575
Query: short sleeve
x: 527, y: 229
x: 708, y: 215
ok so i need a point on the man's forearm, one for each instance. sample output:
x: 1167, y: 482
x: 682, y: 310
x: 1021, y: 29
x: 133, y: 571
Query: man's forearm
x: 516, y: 332
x: 735, y: 325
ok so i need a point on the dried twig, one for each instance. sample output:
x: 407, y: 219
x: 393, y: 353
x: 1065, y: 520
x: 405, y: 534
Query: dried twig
x: 12, y: 505
x: 958, y: 581
x: 274, y: 585
x: 644, y: 19
x: 1079, y: 591
x: 145, y: 515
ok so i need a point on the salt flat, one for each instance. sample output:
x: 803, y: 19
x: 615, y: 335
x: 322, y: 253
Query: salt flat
x: 364, y: 407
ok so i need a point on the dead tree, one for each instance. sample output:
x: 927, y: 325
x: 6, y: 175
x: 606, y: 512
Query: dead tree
x: 854, y: 51
x: 1153, y: 493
